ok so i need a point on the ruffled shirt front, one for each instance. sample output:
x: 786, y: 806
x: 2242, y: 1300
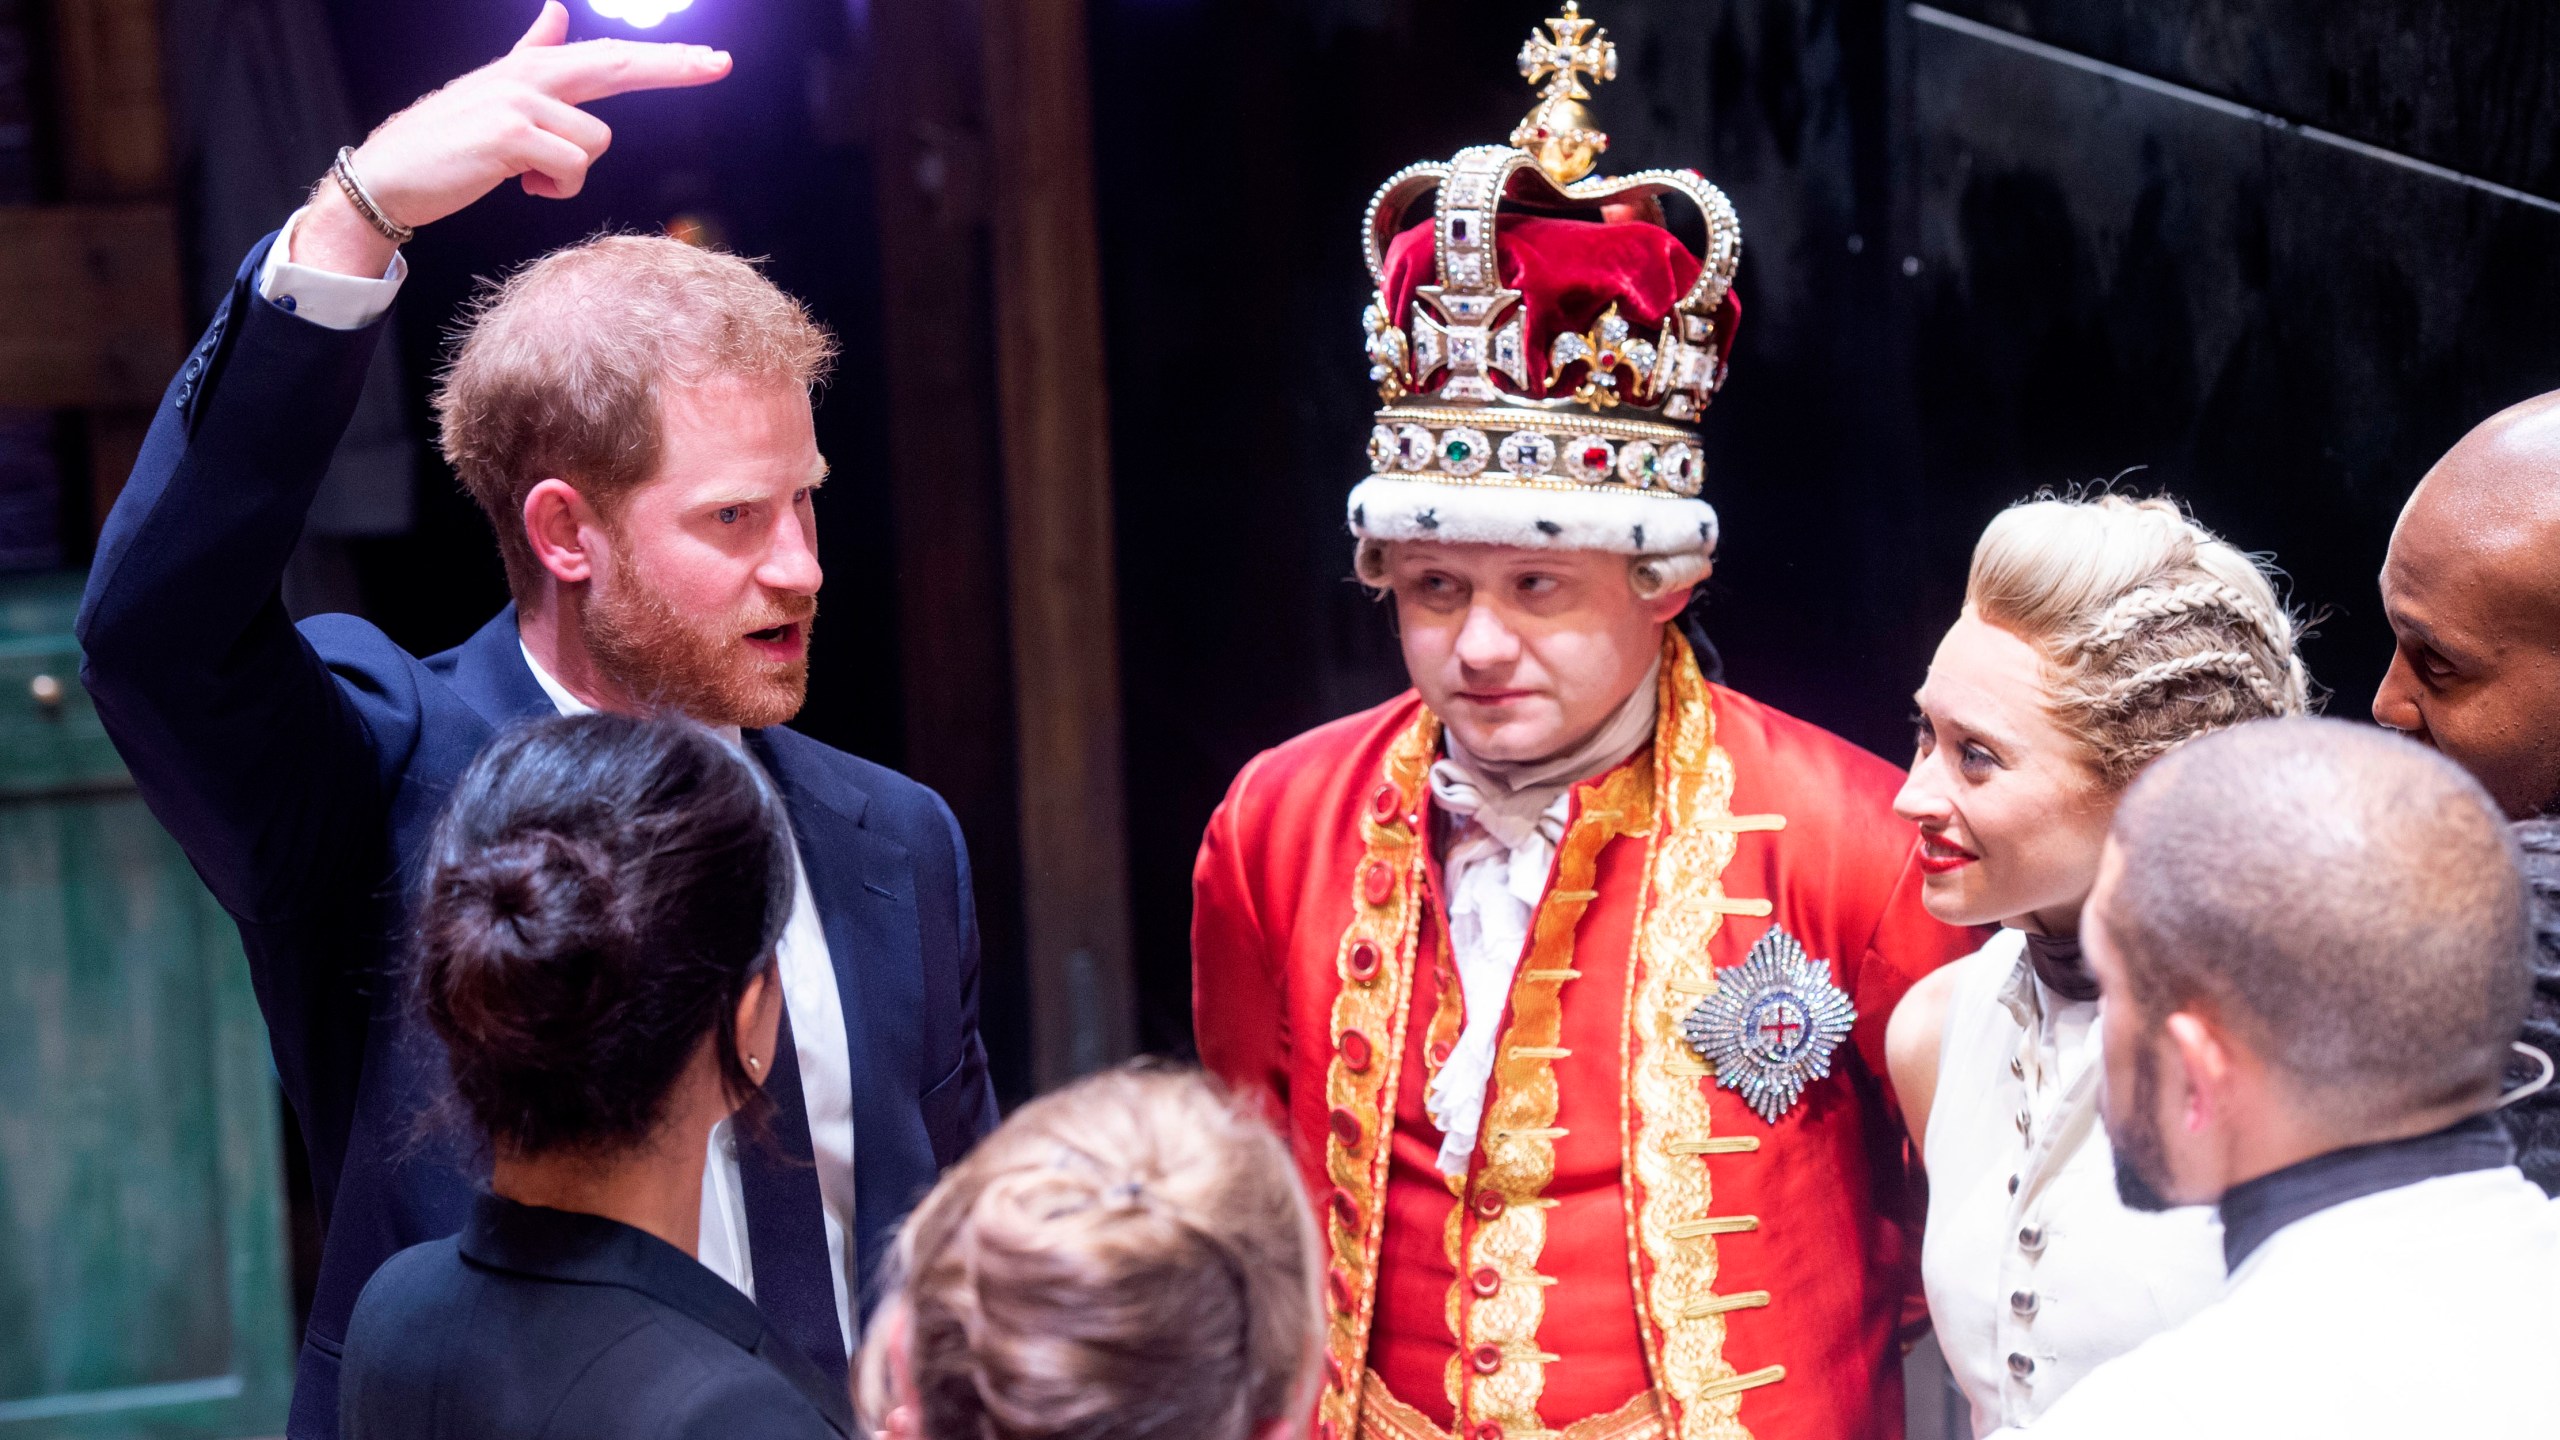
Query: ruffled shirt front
x: 1506, y: 820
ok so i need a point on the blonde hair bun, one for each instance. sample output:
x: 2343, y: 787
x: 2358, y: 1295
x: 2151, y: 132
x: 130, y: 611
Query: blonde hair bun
x: 2153, y: 629
x: 1129, y: 1257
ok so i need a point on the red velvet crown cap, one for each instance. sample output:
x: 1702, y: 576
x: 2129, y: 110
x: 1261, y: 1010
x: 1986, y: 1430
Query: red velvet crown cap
x: 1568, y: 272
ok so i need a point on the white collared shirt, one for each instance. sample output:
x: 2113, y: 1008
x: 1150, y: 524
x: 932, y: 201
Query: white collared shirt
x: 826, y: 1082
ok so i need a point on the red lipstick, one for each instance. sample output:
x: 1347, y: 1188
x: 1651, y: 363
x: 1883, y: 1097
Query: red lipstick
x: 1937, y: 857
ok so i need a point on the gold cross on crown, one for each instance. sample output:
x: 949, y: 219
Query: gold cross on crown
x: 1561, y: 57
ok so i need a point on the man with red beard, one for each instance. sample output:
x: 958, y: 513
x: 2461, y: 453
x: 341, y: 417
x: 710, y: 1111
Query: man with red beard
x: 1566, y: 972
x: 634, y: 416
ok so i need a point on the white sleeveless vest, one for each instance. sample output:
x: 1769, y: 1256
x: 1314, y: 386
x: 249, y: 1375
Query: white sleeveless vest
x: 2036, y: 1273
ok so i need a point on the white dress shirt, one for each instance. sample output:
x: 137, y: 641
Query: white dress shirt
x: 826, y: 1081
x: 2428, y: 1310
x: 324, y: 297
x: 2036, y: 1272
x: 346, y: 302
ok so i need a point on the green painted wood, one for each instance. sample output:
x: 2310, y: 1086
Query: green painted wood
x: 142, y: 1264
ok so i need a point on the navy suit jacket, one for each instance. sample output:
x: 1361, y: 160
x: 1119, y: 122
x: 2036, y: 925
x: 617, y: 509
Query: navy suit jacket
x: 301, y: 769
x: 537, y: 1324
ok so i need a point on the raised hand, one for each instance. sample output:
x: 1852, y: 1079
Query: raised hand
x: 516, y: 116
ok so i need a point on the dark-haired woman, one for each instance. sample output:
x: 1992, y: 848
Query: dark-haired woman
x: 595, y: 947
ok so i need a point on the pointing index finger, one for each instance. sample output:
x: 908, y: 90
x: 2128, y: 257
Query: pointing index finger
x: 594, y: 69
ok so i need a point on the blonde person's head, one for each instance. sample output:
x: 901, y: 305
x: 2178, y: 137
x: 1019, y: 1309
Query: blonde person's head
x: 1129, y: 1258
x: 2152, y: 628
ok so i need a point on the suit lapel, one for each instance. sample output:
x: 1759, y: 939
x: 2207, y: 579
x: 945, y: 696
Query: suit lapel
x: 863, y: 885
x: 489, y: 674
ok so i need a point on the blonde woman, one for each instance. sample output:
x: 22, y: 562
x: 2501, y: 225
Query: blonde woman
x: 2095, y: 635
x: 1127, y: 1259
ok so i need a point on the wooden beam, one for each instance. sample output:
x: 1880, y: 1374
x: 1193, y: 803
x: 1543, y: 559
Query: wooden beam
x: 115, y: 117
x: 91, y: 295
x: 115, y: 129
x: 1057, y: 467
x: 946, y: 490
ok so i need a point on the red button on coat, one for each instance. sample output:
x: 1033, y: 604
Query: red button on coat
x: 1439, y: 1052
x: 1486, y: 1282
x: 1333, y: 1372
x: 1489, y: 1203
x: 1386, y: 805
x: 1355, y: 1051
x: 1378, y: 882
x: 1364, y: 961
x: 1485, y: 1358
x: 1488, y: 1430
x: 1327, y: 1430
x: 1346, y: 1209
x: 1346, y: 1127
x: 1337, y: 1286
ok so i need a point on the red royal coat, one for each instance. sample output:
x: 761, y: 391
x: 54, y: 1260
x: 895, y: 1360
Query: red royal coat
x: 1635, y: 1252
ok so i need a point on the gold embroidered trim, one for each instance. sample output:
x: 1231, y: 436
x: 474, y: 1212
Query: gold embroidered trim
x: 1718, y: 1304
x: 1374, y: 967
x: 1384, y: 1417
x: 1736, y: 1384
x: 1712, y: 1225
x: 1664, y: 1113
x: 1519, y: 1155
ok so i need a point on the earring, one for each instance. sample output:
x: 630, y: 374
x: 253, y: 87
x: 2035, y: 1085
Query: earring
x: 754, y: 1064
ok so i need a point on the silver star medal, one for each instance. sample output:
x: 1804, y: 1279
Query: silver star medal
x: 1771, y: 1025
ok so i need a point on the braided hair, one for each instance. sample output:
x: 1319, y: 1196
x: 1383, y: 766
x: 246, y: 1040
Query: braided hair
x: 1129, y: 1258
x: 2153, y: 629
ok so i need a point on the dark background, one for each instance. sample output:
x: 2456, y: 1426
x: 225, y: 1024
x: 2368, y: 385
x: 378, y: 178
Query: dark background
x: 1989, y: 248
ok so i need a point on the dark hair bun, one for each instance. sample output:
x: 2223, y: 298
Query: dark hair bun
x: 600, y: 892
x: 524, y: 928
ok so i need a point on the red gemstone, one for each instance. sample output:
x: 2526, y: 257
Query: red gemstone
x: 1355, y: 1051
x: 1346, y: 1127
x: 1608, y: 359
x: 1489, y: 1203
x: 1364, y: 961
x: 1595, y: 457
x: 1486, y: 1281
x: 1386, y: 804
x: 1486, y: 1358
x: 1346, y: 1209
x: 1337, y: 1286
x: 1378, y: 882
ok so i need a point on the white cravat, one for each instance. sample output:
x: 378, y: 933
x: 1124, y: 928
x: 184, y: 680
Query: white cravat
x: 826, y: 1080
x: 1509, y: 817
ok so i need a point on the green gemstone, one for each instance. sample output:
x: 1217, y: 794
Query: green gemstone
x: 1456, y: 452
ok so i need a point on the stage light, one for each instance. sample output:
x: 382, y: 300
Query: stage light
x: 638, y: 14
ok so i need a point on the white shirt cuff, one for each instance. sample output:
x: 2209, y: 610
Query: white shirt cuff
x: 324, y: 297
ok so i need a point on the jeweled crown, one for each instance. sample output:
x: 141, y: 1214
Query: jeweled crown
x: 1566, y: 339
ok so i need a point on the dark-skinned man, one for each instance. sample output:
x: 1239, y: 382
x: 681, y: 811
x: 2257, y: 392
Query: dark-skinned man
x: 2472, y: 589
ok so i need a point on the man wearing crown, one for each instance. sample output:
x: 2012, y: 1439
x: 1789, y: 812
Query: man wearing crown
x: 1566, y: 972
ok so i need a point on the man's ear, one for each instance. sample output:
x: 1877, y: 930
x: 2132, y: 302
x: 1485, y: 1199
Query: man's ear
x: 1666, y: 607
x: 2207, y: 1065
x: 561, y: 526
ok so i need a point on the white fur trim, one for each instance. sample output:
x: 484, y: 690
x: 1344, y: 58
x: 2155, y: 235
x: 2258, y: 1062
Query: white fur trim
x: 1388, y: 507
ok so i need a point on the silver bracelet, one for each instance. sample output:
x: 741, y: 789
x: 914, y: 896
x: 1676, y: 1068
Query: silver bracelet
x: 344, y: 171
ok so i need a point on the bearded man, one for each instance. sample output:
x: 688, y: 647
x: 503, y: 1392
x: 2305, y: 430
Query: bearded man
x: 1566, y: 972
x: 2474, y: 604
x: 2311, y: 937
x: 634, y: 416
